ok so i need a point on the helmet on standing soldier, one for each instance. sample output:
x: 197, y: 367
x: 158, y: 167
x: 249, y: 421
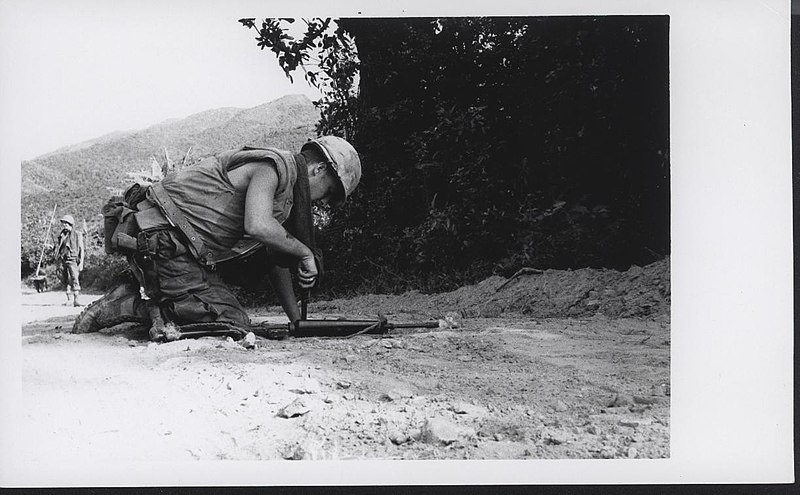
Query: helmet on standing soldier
x: 68, y: 219
x: 343, y: 159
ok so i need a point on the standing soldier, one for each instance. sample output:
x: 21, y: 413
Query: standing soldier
x: 69, y: 252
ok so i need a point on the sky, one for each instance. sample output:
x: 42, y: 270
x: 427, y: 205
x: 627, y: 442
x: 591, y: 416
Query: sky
x: 74, y: 70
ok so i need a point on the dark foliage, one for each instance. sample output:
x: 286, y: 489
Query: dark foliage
x: 490, y: 144
x: 103, y: 272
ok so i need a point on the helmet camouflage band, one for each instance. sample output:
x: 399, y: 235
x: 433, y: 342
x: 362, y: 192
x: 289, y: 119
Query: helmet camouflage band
x: 343, y: 158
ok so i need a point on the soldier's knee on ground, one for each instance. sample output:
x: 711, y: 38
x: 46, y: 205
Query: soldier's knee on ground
x: 123, y: 304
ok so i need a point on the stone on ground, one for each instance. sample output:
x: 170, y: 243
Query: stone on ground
x: 438, y: 430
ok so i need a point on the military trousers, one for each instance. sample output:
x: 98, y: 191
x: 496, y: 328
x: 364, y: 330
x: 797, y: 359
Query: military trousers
x: 185, y: 291
x: 70, y: 275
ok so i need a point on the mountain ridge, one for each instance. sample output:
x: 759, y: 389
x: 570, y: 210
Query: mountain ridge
x: 79, y: 177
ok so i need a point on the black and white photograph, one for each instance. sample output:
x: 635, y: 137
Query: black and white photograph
x: 292, y: 243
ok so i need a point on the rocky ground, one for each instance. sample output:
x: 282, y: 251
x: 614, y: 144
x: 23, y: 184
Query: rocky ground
x: 552, y: 364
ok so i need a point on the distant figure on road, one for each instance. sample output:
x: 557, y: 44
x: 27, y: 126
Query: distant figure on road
x: 228, y: 206
x: 69, y: 252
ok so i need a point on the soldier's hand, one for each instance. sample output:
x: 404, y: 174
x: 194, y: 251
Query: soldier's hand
x: 80, y: 267
x: 307, y: 272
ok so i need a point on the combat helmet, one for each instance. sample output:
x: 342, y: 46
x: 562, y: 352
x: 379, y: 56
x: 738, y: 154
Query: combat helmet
x: 343, y: 158
x: 68, y: 219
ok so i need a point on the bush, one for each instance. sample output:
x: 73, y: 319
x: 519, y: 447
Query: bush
x: 104, y: 272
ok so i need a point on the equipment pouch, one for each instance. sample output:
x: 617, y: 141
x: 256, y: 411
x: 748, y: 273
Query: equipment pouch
x: 118, y: 220
x: 110, y: 211
x: 126, y: 227
x: 151, y: 218
x: 121, y: 222
x: 134, y: 194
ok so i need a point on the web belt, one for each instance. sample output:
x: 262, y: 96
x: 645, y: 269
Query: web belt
x: 178, y: 219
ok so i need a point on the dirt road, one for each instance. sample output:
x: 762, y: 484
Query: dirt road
x: 510, y: 387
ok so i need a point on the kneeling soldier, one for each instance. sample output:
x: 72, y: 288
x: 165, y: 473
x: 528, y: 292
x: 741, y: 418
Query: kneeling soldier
x: 174, y: 232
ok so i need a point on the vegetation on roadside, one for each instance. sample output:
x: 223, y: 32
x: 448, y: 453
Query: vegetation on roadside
x: 490, y: 144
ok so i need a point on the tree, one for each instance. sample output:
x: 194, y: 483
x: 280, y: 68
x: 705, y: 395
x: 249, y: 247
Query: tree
x: 328, y: 60
x: 493, y: 143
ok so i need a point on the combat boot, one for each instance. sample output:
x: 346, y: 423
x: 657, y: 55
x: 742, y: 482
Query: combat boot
x: 123, y: 304
x: 75, y: 298
x: 69, y: 299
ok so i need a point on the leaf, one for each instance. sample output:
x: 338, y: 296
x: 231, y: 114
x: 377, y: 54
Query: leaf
x: 248, y: 22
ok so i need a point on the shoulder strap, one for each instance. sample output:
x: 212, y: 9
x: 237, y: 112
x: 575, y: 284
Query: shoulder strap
x: 61, y: 240
x: 301, y: 219
x: 177, y: 218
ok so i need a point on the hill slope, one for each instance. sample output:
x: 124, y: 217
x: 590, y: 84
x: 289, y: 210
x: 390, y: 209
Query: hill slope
x: 78, y: 177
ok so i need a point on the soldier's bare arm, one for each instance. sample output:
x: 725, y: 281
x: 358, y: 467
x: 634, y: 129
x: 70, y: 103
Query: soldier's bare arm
x: 262, y: 226
x: 281, y: 281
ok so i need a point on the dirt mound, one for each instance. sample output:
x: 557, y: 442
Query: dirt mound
x: 637, y: 292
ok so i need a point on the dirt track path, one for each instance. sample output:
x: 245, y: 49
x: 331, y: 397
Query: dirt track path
x: 504, y: 388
